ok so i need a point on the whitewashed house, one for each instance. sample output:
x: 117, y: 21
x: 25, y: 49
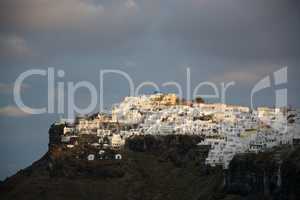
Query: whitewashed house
x: 91, y: 157
x: 118, y: 156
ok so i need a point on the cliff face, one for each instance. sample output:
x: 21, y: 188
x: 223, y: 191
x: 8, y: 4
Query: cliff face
x: 271, y: 175
x: 151, y: 168
x: 155, y: 167
x: 55, y: 132
x: 179, y: 149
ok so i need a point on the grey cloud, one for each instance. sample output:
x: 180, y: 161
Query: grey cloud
x: 248, y: 75
x: 52, y: 15
x: 13, y: 45
x: 236, y: 29
x: 8, y: 88
x: 242, y: 30
x: 54, y: 27
x: 12, y: 111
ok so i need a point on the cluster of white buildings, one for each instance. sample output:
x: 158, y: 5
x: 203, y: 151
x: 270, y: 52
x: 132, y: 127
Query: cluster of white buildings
x: 228, y: 129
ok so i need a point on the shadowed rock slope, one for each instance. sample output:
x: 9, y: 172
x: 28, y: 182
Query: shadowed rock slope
x: 156, y: 168
x: 269, y: 175
x: 169, y: 167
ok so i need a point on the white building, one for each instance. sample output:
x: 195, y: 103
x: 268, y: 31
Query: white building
x: 91, y: 157
x: 117, y: 142
x: 229, y: 129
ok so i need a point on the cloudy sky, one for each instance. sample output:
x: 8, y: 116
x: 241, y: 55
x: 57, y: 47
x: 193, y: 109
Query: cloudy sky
x: 150, y: 40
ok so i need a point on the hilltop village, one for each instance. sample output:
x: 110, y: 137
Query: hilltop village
x: 226, y: 129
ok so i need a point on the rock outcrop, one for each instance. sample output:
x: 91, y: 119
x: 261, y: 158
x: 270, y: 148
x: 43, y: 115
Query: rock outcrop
x: 269, y: 175
x: 151, y: 168
x: 155, y: 167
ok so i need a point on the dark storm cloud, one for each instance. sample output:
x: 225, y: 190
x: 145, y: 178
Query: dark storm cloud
x: 62, y: 26
x: 236, y: 29
x: 231, y: 29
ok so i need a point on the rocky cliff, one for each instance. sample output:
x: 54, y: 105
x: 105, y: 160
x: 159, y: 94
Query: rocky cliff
x: 269, y: 175
x: 156, y: 167
x: 166, y: 167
